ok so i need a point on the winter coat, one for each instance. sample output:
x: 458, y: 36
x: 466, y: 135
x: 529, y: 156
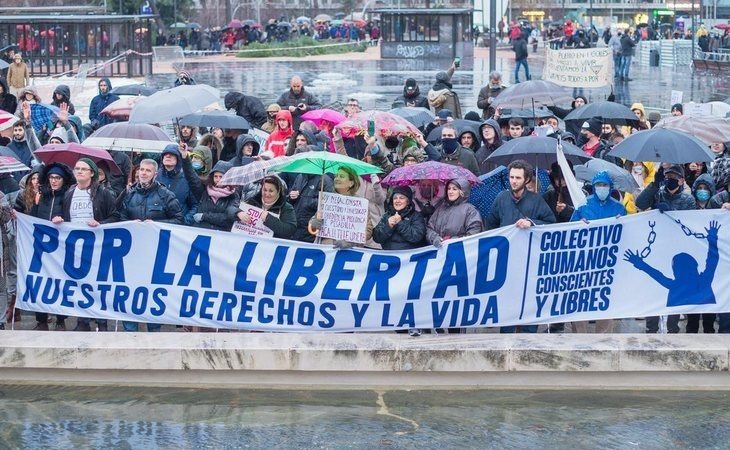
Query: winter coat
x: 8, y: 102
x: 18, y: 75
x: 475, y: 139
x: 653, y: 195
x: 65, y: 92
x: 240, y: 159
x: 100, y: 102
x: 594, y: 208
x: 721, y: 168
x: 49, y: 203
x: 305, y: 206
x: 289, y: 98
x: 276, y: 142
x: 118, y: 182
x: 506, y: 211
x: 486, y: 94
x: 487, y: 149
x: 454, y: 219
x: 174, y: 180
x: 246, y: 106
x: 202, y: 152
x: 462, y: 157
x: 218, y: 215
x: 214, y: 144
x: 155, y: 203
x: 520, y: 49
x: 409, y: 233
x: 103, y: 202
x: 444, y: 99
x: 414, y: 99
x: 551, y: 197
x: 24, y: 149
x: 627, y: 45
x: 285, y: 225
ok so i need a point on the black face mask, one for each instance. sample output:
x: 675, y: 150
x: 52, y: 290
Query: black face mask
x: 671, y: 184
x: 449, y: 144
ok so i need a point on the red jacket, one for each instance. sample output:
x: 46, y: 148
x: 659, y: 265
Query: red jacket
x: 276, y: 142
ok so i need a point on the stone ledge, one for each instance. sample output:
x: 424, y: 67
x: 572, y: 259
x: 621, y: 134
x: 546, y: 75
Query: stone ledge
x: 373, y: 360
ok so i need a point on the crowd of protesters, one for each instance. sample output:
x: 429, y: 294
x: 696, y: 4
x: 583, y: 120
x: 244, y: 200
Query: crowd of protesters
x: 181, y: 185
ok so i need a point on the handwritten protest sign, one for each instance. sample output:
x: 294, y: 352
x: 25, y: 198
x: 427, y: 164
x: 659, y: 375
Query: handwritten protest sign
x: 589, y: 67
x: 344, y: 218
x: 256, y: 227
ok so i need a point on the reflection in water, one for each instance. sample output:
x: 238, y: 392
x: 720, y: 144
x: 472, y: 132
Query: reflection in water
x: 112, y: 417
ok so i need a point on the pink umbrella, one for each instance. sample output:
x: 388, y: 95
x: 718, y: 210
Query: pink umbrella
x: 318, y: 116
x: 386, y: 124
x: 70, y: 153
x: 6, y: 116
x: 120, y: 109
x: 235, y: 23
x: 429, y: 170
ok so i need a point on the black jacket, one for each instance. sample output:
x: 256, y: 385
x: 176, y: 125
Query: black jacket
x: 246, y: 106
x: 414, y: 99
x: 216, y: 215
x: 50, y: 203
x: 520, y: 48
x: 8, y: 102
x: 409, y: 233
x: 65, y: 98
x: 289, y: 98
x: 155, y: 202
x: 285, y: 225
x: 103, y: 201
x: 305, y: 206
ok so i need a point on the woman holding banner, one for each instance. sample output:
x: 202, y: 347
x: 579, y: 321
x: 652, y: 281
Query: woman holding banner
x: 217, y: 205
x: 278, y: 215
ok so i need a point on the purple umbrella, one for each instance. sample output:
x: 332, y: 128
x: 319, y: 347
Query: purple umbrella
x: 127, y: 136
x: 317, y: 116
x: 429, y: 170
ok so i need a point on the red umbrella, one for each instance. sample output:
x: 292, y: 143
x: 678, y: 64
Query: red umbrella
x: 386, y: 124
x: 70, y: 153
x: 430, y: 170
x: 318, y: 116
x: 120, y: 109
x: 723, y: 26
x: 6, y: 116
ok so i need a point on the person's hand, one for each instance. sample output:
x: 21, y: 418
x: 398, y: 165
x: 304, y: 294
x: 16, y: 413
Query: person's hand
x: 497, y: 113
x: 57, y: 220
x: 421, y: 140
x: 243, y: 217
x: 292, y: 108
x: 183, y: 148
x: 63, y: 113
x: 341, y: 245
x: 394, y: 220
x: 726, y: 206
x: 316, y: 223
x: 523, y: 223
x: 438, y: 242
x: 559, y: 207
x: 633, y: 257
x: 659, y: 176
x: 198, y: 217
x: 26, y: 111
x: 302, y: 106
x: 293, y: 195
x: 370, y: 140
x: 374, y: 178
x: 92, y: 223
x: 453, y: 67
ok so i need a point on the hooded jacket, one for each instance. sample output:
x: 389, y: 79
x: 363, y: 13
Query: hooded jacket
x: 285, y: 225
x: 276, y: 142
x: 240, y: 159
x: 65, y: 92
x: 441, y: 96
x: 454, y: 219
x: 486, y: 148
x: 409, y: 233
x: 100, y: 102
x: 594, y: 208
x: 706, y: 179
x: 654, y: 195
x: 217, y: 215
x: 463, y: 157
x: 246, y: 106
x: 49, y: 203
x: 475, y: 141
x: 174, y: 180
x: 8, y: 102
x: 214, y: 144
x: 414, y: 98
x: 21, y: 99
x: 204, y: 153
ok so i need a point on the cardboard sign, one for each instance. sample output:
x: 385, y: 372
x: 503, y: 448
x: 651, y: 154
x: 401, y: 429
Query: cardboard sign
x: 256, y: 227
x: 344, y: 218
x: 675, y: 98
x: 588, y: 67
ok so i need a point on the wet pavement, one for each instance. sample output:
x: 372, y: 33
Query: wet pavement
x: 377, y: 83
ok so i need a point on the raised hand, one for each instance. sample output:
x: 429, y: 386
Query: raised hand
x: 633, y: 257
x: 26, y: 111
x: 63, y: 113
x: 713, y: 231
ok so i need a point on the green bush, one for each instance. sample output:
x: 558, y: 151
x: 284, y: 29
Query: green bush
x: 291, y: 48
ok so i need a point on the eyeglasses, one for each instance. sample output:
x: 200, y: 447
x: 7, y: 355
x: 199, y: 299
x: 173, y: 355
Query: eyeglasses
x: 55, y: 178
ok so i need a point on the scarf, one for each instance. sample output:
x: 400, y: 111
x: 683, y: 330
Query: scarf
x: 267, y: 206
x: 216, y: 193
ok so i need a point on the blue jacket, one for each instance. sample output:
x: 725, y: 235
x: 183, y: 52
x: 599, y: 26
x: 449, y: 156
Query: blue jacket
x: 174, y: 180
x: 100, y: 102
x: 595, y: 209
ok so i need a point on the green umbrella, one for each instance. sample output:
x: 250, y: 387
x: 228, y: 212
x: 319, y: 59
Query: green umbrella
x: 178, y: 25
x: 337, y: 22
x: 319, y: 163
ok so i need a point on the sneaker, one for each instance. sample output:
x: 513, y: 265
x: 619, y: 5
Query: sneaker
x: 60, y: 325
x: 40, y: 326
x: 81, y: 326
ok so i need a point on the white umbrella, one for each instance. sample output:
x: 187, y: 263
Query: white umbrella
x: 173, y: 103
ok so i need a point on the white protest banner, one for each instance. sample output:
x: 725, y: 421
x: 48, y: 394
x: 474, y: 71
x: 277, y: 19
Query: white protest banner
x: 675, y: 98
x: 256, y: 227
x: 588, y: 67
x: 344, y: 217
x: 634, y: 266
x: 697, y: 109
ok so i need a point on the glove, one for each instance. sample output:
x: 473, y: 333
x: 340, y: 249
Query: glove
x: 343, y: 245
x: 316, y: 223
x: 438, y: 242
x: 198, y: 217
x: 659, y: 176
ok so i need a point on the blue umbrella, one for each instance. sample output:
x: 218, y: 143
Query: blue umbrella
x: 194, y: 25
x: 41, y: 114
x: 482, y: 195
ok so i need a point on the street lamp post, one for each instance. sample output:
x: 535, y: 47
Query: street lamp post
x: 492, y: 35
x: 693, y: 30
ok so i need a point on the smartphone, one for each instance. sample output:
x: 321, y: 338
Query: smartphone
x: 457, y: 61
x: 371, y: 127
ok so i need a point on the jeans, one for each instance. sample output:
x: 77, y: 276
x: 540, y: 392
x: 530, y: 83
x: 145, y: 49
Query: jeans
x: 523, y: 329
x: 134, y: 326
x: 652, y: 324
x: 521, y: 62
x: 625, y: 66
x: 616, y: 65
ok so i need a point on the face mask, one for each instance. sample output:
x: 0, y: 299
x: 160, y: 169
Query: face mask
x: 638, y: 170
x: 671, y: 184
x: 703, y: 195
x: 450, y: 144
x: 602, y: 192
x: 197, y: 166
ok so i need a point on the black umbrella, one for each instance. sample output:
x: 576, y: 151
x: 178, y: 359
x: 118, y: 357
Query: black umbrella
x: 524, y: 113
x: 133, y: 89
x: 216, y: 119
x: 606, y: 112
x: 461, y: 125
x: 540, y: 151
x: 664, y: 145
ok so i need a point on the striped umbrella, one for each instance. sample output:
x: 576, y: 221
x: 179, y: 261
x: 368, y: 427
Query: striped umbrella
x: 9, y: 164
x: 252, y: 172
